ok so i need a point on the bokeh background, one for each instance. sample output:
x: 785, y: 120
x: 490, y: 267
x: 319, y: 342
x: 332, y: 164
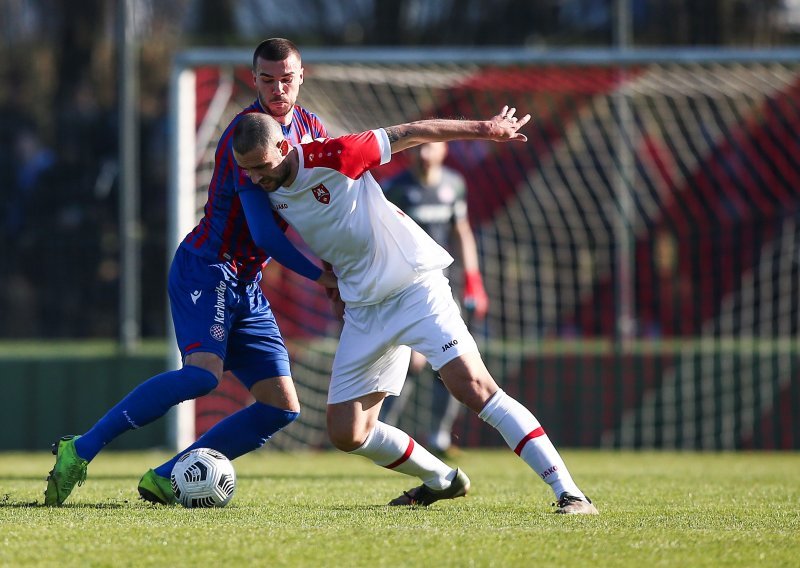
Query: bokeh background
x: 697, y: 348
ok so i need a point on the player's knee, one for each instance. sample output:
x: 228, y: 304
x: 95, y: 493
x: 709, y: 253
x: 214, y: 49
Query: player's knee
x: 472, y: 391
x: 278, y: 392
x: 265, y: 420
x: 345, y: 439
x: 271, y: 417
x: 289, y: 416
x: 208, y: 362
x: 291, y: 406
x: 204, y: 380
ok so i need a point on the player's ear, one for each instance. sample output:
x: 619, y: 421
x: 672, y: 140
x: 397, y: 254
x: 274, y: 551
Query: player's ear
x: 301, y: 76
x: 283, y: 146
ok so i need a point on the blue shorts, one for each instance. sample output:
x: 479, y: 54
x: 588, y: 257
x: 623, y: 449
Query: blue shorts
x: 213, y: 312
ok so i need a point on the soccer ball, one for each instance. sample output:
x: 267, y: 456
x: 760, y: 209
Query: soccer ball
x: 203, y: 478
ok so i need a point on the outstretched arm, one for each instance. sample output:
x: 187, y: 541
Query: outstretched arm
x: 500, y: 128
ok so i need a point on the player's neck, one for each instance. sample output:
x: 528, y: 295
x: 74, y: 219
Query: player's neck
x: 286, y: 119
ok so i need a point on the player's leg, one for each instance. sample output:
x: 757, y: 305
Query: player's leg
x: 144, y: 404
x: 158, y: 489
x: 469, y: 381
x: 240, y: 433
x: 255, y: 350
x: 354, y: 427
x: 452, y: 351
x: 153, y: 398
x: 444, y: 412
x: 366, y: 367
x: 195, y: 290
x: 249, y: 428
x: 394, y: 406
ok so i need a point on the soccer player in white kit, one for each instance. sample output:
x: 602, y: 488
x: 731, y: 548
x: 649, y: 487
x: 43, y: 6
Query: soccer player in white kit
x: 395, y: 295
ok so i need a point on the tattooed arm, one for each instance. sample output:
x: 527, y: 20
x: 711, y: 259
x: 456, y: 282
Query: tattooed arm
x: 500, y: 128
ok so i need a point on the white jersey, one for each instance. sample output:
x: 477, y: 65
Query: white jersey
x: 340, y: 211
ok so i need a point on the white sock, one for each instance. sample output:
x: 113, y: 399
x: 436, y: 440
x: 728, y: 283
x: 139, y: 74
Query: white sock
x: 523, y: 434
x: 393, y: 449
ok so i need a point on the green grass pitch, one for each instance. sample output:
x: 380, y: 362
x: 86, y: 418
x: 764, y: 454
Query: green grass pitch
x: 327, y: 509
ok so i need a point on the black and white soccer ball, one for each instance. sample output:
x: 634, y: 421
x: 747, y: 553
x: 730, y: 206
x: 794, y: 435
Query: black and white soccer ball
x: 203, y: 478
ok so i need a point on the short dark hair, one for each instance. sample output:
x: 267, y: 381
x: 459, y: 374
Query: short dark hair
x: 275, y: 49
x: 254, y: 130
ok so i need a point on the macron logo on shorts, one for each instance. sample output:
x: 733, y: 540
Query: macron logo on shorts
x: 195, y: 295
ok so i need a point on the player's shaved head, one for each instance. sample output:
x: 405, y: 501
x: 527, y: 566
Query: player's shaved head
x: 275, y: 49
x: 255, y: 130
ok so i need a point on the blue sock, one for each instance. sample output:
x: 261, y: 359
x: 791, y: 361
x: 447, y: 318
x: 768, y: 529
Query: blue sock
x: 147, y: 402
x: 239, y: 433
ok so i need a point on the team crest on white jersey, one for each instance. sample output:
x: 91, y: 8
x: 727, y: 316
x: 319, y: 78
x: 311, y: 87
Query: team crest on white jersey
x: 321, y: 194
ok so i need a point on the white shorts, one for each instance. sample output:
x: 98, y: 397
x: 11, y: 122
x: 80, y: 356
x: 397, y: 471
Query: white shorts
x: 375, y: 346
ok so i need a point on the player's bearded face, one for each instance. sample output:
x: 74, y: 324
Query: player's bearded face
x: 277, y: 84
x: 267, y: 168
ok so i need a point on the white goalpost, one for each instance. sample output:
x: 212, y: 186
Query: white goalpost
x: 640, y: 252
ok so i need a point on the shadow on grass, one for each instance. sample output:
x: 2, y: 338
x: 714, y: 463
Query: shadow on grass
x: 6, y: 502
x: 311, y: 476
x: 266, y: 476
x: 43, y: 477
x: 401, y: 510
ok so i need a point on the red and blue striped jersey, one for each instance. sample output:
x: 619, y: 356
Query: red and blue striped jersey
x: 222, y: 234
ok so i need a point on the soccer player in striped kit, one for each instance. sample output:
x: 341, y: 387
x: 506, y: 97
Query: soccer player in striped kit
x: 395, y: 295
x: 222, y: 320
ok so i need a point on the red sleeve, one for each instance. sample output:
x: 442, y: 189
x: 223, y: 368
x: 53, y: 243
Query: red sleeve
x: 351, y: 155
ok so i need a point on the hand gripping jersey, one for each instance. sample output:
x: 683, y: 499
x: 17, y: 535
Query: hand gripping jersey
x: 340, y: 211
x: 222, y: 236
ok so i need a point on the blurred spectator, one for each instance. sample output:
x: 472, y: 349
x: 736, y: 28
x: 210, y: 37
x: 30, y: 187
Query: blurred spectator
x: 32, y: 161
x: 14, y: 118
x: 76, y: 223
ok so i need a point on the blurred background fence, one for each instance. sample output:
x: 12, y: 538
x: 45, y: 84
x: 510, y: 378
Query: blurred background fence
x: 641, y: 251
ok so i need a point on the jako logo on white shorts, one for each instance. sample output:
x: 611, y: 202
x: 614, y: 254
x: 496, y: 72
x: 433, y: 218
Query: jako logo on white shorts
x: 449, y: 344
x: 217, y: 332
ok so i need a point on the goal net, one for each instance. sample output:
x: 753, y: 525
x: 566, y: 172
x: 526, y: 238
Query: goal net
x: 640, y: 251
